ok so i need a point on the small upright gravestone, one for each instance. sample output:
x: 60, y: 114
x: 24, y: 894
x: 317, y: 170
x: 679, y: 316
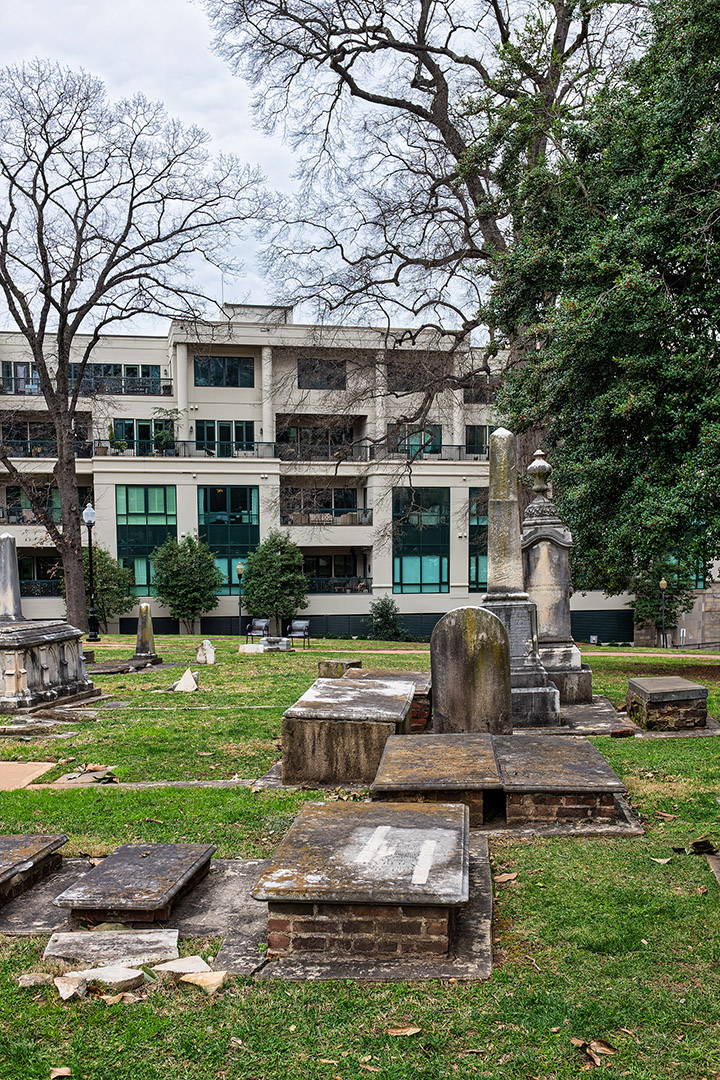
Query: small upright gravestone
x: 470, y: 664
x: 145, y: 643
x: 205, y: 652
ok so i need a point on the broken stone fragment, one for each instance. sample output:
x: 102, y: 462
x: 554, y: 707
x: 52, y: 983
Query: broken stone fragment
x: 34, y: 978
x: 127, y: 948
x: 71, y: 987
x: 114, y: 977
x: 175, y: 969
x: 209, y: 981
x: 187, y: 683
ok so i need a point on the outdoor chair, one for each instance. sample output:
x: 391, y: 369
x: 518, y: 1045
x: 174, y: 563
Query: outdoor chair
x: 258, y: 628
x: 300, y: 628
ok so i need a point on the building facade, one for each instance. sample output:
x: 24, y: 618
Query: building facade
x: 229, y: 429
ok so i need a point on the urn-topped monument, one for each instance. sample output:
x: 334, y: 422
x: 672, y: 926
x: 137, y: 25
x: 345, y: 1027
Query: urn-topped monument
x: 535, y: 700
x: 546, y: 544
x: 40, y: 659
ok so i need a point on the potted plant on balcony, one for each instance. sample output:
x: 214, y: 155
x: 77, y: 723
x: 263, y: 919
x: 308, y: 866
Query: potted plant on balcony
x: 117, y: 446
x: 164, y: 434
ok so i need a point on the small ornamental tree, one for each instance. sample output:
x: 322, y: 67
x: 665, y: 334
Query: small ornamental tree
x: 112, y: 585
x: 273, y: 584
x: 384, y: 614
x: 187, y: 580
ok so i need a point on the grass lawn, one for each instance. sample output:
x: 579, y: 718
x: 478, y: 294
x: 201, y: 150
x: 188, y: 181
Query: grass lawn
x: 594, y: 939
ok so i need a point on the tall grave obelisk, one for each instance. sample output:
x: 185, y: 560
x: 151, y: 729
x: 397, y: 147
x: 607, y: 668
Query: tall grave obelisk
x: 535, y: 700
x: 546, y: 543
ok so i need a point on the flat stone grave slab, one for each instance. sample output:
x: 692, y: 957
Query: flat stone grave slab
x: 336, y: 732
x: 106, y: 947
x: 667, y: 703
x: 18, y: 774
x: 442, y: 768
x: 26, y: 859
x: 375, y: 879
x: 421, y: 704
x: 138, y: 882
x: 552, y: 780
x: 469, y: 956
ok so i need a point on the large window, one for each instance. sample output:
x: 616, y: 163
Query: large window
x: 414, y: 441
x: 229, y: 523
x: 478, y: 539
x: 224, y: 371
x: 421, y: 540
x: 146, y: 517
x: 317, y: 374
x: 476, y: 440
x: 225, y: 438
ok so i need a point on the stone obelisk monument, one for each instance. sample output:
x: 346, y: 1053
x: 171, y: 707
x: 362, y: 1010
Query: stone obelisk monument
x: 535, y: 700
x: 546, y: 544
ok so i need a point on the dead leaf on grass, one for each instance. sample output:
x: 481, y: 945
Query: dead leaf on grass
x: 409, y: 1030
x: 111, y: 999
x: 668, y: 817
x: 593, y: 1050
x: 702, y: 890
x: 662, y: 862
x: 328, y: 1061
x: 204, y: 753
x: 59, y: 1072
x: 505, y: 877
x: 368, y: 1068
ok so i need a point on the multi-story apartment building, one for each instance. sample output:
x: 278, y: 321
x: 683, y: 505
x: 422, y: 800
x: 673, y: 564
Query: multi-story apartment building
x: 229, y: 429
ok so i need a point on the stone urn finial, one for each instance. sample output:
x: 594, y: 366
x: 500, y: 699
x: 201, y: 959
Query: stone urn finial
x: 540, y: 472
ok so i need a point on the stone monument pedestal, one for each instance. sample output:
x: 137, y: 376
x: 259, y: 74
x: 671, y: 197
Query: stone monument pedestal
x: 535, y: 701
x: 667, y: 704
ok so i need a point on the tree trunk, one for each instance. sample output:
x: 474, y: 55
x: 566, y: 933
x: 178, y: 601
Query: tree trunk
x: 71, y: 549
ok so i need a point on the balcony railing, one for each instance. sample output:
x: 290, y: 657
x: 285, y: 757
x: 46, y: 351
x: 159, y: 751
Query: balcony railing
x: 111, y: 384
x: 339, y: 585
x: 23, y: 515
x: 118, y: 384
x: 187, y: 448
x: 40, y: 588
x: 334, y: 516
x: 43, y: 448
x: 290, y: 451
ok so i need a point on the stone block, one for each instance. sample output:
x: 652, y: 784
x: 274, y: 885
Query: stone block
x: 335, y: 669
x: 575, y: 687
x: 115, y: 977
x: 667, y: 703
x: 336, y: 732
x: 470, y: 663
x: 133, y: 947
x: 421, y: 709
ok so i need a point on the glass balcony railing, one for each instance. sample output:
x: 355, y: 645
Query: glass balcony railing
x: 339, y: 585
x: 29, y: 386
x: 43, y: 448
x: 186, y: 448
x: 333, y: 516
x: 40, y: 588
x: 24, y: 515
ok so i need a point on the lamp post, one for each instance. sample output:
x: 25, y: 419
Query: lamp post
x: 90, y: 517
x: 663, y: 587
x: 239, y: 570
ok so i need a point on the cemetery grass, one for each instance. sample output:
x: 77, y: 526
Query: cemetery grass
x: 611, y: 939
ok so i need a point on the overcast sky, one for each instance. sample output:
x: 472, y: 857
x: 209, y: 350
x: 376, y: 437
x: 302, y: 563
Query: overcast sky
x: 161, y: 48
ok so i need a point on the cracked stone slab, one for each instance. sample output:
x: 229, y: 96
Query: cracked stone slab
x: 34, y: 912
x: 472, y: 944
x: 18, y: 774
x: 541, y: 763
x: 25, y: 859
x: 113, y: 947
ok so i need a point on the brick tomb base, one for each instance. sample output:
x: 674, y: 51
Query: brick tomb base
x: 666, y: 704
x: 367, y: 930
x: 521, y: 809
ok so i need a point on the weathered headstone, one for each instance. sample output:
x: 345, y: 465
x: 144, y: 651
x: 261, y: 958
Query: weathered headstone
x: 145, y: 643
x: 535, y: 701
x: 187, y: 683
x: 470, y: 664
x: 41, y: 660
x: 546, y: 544
x: 205, y: 652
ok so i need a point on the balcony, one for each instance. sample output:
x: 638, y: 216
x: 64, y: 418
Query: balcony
x: 291, y: 451
x: 43, y: 448
x: 359, y: 452
x: 23, y: 515
x: 40, y: 588
x: 339, y: 585
x: 187, y: 449
x: 323, y: 517
x: 126, y: 385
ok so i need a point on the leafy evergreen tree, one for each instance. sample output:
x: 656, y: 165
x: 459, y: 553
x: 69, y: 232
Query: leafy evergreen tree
x: 186, y: 580
x: 384, y: 614
x: 273, y: 584
x: 612, y: 294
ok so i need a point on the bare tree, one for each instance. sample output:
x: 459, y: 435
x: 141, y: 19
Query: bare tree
x: 416, y: 123
x: 105, y: 211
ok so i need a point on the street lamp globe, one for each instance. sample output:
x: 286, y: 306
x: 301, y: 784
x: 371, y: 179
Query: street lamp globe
x: 89, y: 515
